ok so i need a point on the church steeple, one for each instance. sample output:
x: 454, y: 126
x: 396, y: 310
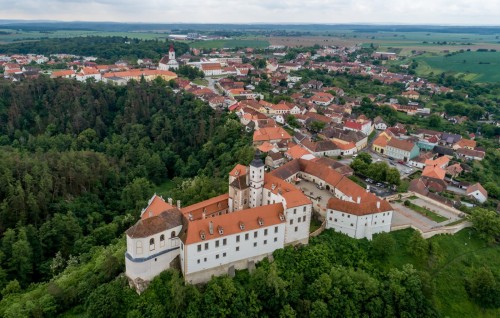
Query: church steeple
x: 171, y: 52
x: 256, y: 180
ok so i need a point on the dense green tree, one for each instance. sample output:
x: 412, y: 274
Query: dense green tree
x: 383, y: 245
x: 486, y: 223
x: 483, y: 287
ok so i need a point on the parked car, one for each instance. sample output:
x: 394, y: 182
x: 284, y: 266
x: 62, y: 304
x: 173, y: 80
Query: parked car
x: 392, y: 163
x: 401, y: 162
x: 368, y: 180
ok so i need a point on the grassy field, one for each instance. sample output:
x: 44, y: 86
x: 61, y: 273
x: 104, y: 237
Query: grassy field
x: 460, y: 253
x: 16, y: 35
x: 473, y: 66
x: 233, y: 43
x: 201, y: 81
x: 427, y: 213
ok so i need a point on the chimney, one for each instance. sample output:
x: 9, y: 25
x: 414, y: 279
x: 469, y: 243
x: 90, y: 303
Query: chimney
x: 211, y: 227
x: 359, y: 200
x: 170, y: 201
x: 178, y: 204
x: 378, y: 204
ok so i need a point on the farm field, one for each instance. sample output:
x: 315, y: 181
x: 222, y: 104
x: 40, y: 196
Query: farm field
x: 8, y: 35
x: 474, y: 66
x: 230, y: 43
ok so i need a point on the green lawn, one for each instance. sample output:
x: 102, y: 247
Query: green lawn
x: 460, y: 253
x: 474, y: 66
x: 201, y: 81
x: 427, y: 213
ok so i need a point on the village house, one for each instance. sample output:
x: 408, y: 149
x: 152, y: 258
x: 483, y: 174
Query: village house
x: 477, y: 192
x: 401, y: 149
x: 271, y: 135
x: 379, y: 123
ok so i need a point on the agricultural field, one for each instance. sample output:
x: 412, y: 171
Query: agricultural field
x: 9, y: 35
x: 230, y: 43
x: 474, y: 66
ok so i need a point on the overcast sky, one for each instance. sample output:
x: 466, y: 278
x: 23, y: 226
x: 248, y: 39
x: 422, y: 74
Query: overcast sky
x: 456, y: 12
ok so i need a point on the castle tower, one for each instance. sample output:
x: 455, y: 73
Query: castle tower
x: 256, y: 180
x: 171, y: 52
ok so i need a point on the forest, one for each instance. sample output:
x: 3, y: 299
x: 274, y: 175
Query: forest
x: 108, y: 49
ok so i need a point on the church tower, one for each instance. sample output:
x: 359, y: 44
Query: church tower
x: 171, y: 52
x: 256, y: 180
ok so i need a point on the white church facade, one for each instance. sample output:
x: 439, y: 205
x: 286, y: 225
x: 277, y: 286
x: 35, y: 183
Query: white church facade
x: 168, y: 62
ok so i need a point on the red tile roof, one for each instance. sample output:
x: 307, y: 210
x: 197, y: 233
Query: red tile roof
x: 230, y: 223
x: 271, y: 133
x: 364, y: 208
x: 155, y: 207
x: 210, y: 206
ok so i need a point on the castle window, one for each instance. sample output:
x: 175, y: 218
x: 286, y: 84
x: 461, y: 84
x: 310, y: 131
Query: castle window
x: 237, y: 238
x: 352, y: 224
x: 217, y: 243
x: 199, y: 247
x: 296, y: 228
x: 304, y: 209
x: 294, y: 211
x: 224, y: 254
x: 255, y: 234
x: 198, y: 261
x: 291, y: 221
x: 162, y: 240
x: 276, y: 239
x: 265, y: 232
x: 224, y: 242
x: 138, y: 247
x: 265, y: 242
x: 172, y: 235
x: 152, y: 244
x: 217, y: 256
x: 304, y: 218
x: 254, y: 244
x: 269, y: 194
x: 237, y: 248
x: 246, y: 237
x: 206, y: 246
x: 275, y: 229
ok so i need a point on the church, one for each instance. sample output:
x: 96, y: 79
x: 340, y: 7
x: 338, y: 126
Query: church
x: 168, y: 62
x: 262, y: 212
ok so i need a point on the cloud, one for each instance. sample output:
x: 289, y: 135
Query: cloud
x: 479, y: 12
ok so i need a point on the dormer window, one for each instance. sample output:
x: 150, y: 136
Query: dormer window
x: 282, y: 217
x: 202, y: 235
x: 220, y: 229
x: 260, y: 221
x: 242, y: 226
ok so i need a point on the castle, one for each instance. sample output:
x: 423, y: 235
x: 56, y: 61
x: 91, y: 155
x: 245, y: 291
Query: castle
x: 168, y: 62
x: 262, y: 212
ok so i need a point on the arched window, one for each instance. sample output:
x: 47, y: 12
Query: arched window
x: 172, y: 235
x: 162, y: 240
x: 138, y: 247
x: 152, y: 244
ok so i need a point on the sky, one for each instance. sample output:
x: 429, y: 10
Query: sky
x: 438, y: 12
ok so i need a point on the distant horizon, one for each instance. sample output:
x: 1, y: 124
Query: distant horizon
x: 19, y: 21
x: 402, y: 12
